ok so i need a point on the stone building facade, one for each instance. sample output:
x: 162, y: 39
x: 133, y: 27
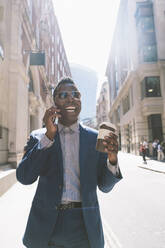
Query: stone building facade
x: 103, y: 105
x: 136, y: 73
x: 26, y: 91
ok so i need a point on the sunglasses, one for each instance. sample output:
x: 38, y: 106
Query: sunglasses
x: 65, y: 94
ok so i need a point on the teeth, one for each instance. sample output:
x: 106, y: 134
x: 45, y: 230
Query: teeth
x: 70, y: 109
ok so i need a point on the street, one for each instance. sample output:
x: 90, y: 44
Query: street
x: 133, y: 213
x: 135, y: 209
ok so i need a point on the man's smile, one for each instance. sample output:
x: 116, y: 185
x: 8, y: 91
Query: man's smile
x: 70, y: 109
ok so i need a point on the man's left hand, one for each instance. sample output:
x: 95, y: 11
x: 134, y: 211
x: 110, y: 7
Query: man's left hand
x: 111, y: 147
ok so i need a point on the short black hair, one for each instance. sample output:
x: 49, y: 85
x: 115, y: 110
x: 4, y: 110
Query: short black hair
x: 63, y: 80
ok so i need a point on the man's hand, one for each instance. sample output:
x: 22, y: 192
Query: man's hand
x: 48, y: 119
x: 111, y: 147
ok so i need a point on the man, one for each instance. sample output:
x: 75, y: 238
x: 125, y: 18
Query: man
x: 65, y: 211
x: 160, y: 152
x: 155, y: 148
x: 143, y: 150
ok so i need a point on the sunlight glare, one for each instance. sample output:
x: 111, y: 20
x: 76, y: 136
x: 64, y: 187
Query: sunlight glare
x: 87, y: 28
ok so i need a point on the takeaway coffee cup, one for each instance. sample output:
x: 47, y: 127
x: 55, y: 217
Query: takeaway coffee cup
x: 104, y: 129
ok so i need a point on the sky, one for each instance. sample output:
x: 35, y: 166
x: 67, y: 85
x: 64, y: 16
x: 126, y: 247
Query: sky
x: 87, y: 28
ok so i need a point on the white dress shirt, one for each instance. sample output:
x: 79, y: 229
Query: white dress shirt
x: 70, y: 141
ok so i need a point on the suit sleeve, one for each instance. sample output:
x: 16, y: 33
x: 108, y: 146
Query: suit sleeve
x: 33, y: 162
x: 106, y: 179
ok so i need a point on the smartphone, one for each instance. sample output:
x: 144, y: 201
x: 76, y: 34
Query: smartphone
x: 55, y: 120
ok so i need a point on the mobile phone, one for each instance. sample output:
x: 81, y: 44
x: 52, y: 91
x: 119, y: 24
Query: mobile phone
x: 55, y: 121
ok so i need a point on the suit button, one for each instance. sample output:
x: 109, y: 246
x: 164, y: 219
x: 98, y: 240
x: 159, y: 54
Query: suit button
x: 60, y: 187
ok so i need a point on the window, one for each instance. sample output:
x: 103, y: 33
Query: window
x: 58, y: 58
x: 126, y: 104
x: 146, y: 32
x: 0, y: 132
x: 155, y: 127
x: 30, y: 9
x: 53, y: 65
x: 143, y: 9
x: 53, y: 39
x: 0, y: 125
x: 1, y: 52
x: 37, y: 31
x: 147, y: 24
x: 149, y: 53
x: 30, y: 85
x: 132, y: 95
x: 118, y: 114
x: 150, y: 87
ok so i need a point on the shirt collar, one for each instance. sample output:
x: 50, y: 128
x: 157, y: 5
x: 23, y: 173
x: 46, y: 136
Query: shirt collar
x: 74, y: 127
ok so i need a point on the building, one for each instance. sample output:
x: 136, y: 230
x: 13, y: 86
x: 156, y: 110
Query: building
x: 86, y: 80
x: 136, y: 73
x: 103, y: 104
x: 28, y: 31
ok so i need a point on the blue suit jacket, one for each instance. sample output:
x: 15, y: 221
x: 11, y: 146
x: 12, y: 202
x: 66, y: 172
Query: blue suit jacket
x: 47, y: 164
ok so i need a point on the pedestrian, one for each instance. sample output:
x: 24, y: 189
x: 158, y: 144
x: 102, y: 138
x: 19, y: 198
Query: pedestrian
x: 160, y: 152
x: 155, y: 148
x: 163, y: 147
x: 65, y: 211
x: 143, y: 150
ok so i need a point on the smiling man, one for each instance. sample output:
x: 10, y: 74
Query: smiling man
x: 65, y: 211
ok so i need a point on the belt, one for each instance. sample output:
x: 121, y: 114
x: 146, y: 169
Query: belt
x: 69, y: 205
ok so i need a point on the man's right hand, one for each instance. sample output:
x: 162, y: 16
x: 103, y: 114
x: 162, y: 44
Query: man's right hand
x: 48, y: 119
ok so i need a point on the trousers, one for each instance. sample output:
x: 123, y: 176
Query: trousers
x: 69, y: 230
x: 160, y: 155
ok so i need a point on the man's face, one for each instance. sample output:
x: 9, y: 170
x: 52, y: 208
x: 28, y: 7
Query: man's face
x: 68, y: 101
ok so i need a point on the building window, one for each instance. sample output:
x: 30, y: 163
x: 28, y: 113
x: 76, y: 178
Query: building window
x: 126, y: 104
x: 132, y: 97
x: 146, y: 32
x: 155, y: 127
x: 38, y: 37
x: 1, y: 125
x: 58, y: 58
x: 53, y: 39
x: 117, y: 114
x: 53, y: 65
x: 30, y: 9
x: 30, y: 85
x: 149, y: 53
x: 0, y: 132
x: 146, y: 24
x: 1, y: 52
x: 58, y: 40
x: 150, y: 87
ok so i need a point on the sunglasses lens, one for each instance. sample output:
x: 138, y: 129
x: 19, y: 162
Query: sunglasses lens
x: 75, y: 94
x: 62, y: 95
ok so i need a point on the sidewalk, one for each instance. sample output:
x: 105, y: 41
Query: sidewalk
x: 14, y: 209
x: 154, y: 165
x: 7, y: 178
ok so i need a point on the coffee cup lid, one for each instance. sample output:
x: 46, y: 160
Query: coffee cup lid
x: 108, y: 124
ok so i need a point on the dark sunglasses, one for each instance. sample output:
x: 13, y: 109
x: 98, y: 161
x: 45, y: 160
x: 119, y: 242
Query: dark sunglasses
x: 65, y: 94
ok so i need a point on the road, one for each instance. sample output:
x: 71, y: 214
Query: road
x: 135, y: 209
x: 133, y: 212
